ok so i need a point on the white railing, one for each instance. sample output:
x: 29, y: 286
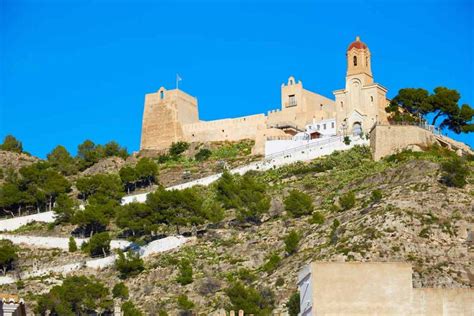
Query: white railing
x: 322, y: 142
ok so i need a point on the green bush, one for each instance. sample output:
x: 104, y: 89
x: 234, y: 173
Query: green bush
x: 347, y: 140
x: 99, y: 244
x: 347, y: 200
x: 291, y: 242
x: 272, y: 263
x: 298, y: 204
x: 455, y: 172
x: 120, y: 290
x: 317, y: 218
x: 279, y: 282
x: 293, y: 304
x: 185, y: 272
x: 184, y: 303
x: 129, y: 309
x: 376, y: 195
x: 246, y: 194
x: 129, y: 264
x: 178, y: 148
x: 72, y: 244
x: 246, y: 275
x: 77, y: 295
x: 203, y: 154
x: 259, y: 303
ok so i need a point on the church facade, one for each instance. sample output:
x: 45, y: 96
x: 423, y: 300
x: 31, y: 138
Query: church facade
x: 172, y: 115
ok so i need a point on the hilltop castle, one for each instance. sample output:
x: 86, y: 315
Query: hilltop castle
x: 172, y: 115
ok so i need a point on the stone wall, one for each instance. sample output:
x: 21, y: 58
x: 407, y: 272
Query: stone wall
x: 377, y: 288
x: 224, y: 130
x: 386, y: 140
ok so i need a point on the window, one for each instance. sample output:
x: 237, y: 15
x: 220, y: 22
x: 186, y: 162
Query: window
x: 292, y: 100
x: 342, y: 104
x: 317, y: 127
x: 371, y: 99
x: 324, y: 126
x: 355, y: 60
x: 162, y: 94
x: 332, y: 124
x: 291, y: 82
x: 367, y: 60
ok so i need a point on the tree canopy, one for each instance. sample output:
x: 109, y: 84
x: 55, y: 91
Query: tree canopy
x: 412, y: 103
x: 246, y: 194
x: 8, y: 255
x: 10, y: 143
x: 61, y: 160
x: 37, y: 186
x: 78, y: 295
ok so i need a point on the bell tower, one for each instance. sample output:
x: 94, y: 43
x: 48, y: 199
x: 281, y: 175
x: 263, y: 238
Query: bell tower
x: 358, y: 62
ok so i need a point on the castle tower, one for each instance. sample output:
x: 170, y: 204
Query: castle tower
x: 362, y: 103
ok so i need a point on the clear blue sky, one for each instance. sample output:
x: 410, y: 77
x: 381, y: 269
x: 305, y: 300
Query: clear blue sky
x: 72, y: 70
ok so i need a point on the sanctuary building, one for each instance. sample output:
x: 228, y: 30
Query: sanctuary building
x: 172, y: 115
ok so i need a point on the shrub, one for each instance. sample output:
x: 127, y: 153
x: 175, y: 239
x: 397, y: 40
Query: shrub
x: 317, y: 218
x: 72, y: 244
x: 129, y: 264
x: 333, y: 235
x: 272, y: 263
x: 291, y: 242
x: 250, y: 300
x: 376, y: 195
x: 279, y: 282
x: 246, y: 194
x: 184, y: 303
x: 178, y: 148
x: 185, y: 272
x: 77, y: 295
x: 203, y: 154
x: 129, y: 309
x: 246, y: 275
x: 347, y: 200
x: 293, y: 304
x: 298, y: 203
x: 347, y: 140
x: 455, y: 172
x: 10, y: 143
x: 120, y: 290
x: 99, y: 244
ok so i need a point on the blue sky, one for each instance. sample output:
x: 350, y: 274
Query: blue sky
x: 73, y: 70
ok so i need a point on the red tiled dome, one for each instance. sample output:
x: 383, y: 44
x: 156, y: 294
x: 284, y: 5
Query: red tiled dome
x: 357, y: 44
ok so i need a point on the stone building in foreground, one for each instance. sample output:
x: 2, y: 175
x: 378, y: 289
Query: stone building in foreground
x: 172, y: 115
x: 375, y: 288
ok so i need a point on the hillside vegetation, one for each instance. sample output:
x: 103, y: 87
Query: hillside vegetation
x: 256, y: 231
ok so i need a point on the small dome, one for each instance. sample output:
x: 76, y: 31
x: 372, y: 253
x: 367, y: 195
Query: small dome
x: 357, y: 44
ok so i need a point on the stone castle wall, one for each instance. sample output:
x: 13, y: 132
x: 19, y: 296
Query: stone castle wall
x: 386, y: 140
x: 224, y: 130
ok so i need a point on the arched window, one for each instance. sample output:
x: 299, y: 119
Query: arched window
x: 342, y: 104
x: 366, y: 60
x: 291, y: 82
x: 371, y: 99
x: 162, y: 94
x: 355, y: 60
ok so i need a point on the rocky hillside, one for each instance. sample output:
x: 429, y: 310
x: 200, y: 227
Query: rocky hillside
x: 400, y: 212
x: 14, y: 161
x: 417, y: 220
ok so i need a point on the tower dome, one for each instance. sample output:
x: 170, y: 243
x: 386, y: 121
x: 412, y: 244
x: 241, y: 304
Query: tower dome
x: 357, y: 44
